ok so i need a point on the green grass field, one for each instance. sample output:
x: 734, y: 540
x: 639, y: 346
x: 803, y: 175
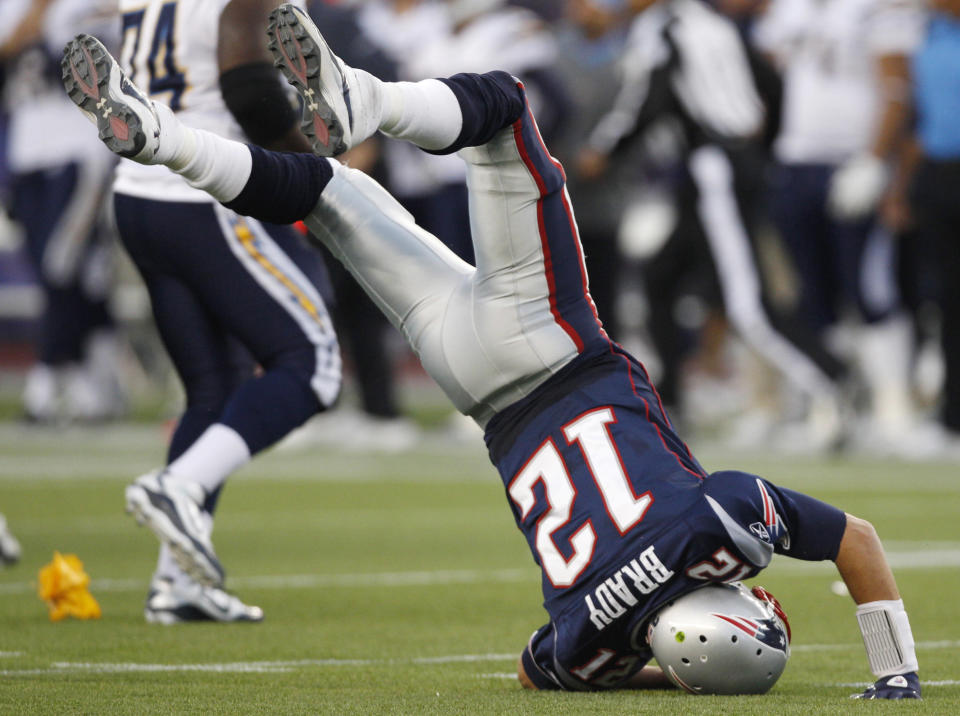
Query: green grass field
x: 399, y: 584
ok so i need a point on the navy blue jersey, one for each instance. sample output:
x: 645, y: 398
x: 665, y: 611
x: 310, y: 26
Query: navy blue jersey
x: 621, y: 518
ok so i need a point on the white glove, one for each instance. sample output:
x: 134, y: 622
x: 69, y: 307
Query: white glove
x: 856, y: 187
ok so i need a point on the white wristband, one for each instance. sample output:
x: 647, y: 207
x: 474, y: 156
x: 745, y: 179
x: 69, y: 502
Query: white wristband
x: 887, y: 637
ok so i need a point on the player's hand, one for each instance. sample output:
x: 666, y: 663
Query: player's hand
x: 591, y: 164
x: 522, y: 677
x: 902, y: 686
x: 856, y: 187
x: 896, y: 212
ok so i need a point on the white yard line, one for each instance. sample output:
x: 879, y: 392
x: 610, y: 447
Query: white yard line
x: 389, y: 579
x: 899, y: 560
x: 255, y: 667
x: 272, y: 667
x: 314, y: 581
x: 923, y: 683
x: 925, y: 645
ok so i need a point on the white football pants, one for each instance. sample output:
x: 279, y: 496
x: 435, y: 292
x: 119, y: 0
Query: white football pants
x: 488, y: 335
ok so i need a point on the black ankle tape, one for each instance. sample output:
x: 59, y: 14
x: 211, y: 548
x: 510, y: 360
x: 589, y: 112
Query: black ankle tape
x: 283, y: 186
x: 488, y: 102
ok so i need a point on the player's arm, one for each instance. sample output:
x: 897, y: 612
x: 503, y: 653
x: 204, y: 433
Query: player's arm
x: 859, y: 184
x: 896, y: 211
x: 894, y: 79
x: 816, y: 531
x: 28, y: 30
x: 253, y: 90
x: 642, y: 98
x: 522, y: 677
x: 649, y: 677
x: 883, y: 621
x: 862, y: 563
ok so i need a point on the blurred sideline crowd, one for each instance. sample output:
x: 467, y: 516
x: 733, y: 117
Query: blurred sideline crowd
x: 764, y: 191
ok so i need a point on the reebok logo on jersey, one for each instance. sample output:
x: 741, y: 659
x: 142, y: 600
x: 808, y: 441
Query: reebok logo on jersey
x: 773, y: 528
x: 760, y: 531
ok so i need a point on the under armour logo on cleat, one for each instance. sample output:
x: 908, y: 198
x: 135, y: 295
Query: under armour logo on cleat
x: 106, y: 112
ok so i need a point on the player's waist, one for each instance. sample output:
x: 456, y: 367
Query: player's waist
x: 592, y: 364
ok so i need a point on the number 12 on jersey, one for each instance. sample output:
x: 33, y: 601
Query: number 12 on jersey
x: 625, y: 509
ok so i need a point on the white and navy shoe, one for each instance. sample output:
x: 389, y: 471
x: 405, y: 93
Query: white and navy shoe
x: 895, y: 688
x: 175, y: 603
x: 128, y: 121
x: 173, y: 510
x: 9, y: 546
x: 336, y: 105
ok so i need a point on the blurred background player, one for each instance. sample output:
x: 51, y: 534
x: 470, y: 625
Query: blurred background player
x: 687, y: 63
x: 58, y: 184
x: 845, y: 109
x: 431, y: 188
x: 431, y: 38
x: 376, y: 419
x: 428, y: 38
x: 485, y: 31
x: 935, y: 210
x: 590, y: 40
x: 239, y: 304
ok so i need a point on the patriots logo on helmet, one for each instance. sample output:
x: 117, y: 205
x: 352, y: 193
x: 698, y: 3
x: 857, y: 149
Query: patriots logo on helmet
x: 766, y: 631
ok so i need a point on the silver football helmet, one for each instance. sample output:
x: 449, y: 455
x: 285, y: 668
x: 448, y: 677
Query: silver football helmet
x: 722, y: 639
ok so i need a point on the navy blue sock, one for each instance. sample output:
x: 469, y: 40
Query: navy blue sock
x: 489, y: 102
x: 283, y: 186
